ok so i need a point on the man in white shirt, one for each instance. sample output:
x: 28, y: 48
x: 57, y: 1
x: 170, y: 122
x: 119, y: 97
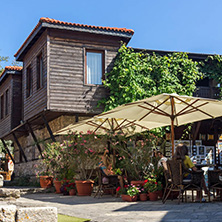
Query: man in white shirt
x: 162, y: 161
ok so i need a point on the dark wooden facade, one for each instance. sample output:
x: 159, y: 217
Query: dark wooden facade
x: 63, y: 47
x: 67, y: 91
x: 11, y: 87
x: 37, y: 101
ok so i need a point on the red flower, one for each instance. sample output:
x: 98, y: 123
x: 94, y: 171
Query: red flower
x: 145, y: 181
x: 155, y: 182
x: 118, y: 189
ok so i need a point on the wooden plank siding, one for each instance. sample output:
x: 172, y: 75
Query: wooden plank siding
x: 37, y: 101
x: 16, y: 106
x: 67, y: 91
x: 5, y: 123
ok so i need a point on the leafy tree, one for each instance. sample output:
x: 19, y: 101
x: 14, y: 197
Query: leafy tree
x: 9, y: 144
x: 212, y: 68
x: 137, y: 75
x: 3, y: 59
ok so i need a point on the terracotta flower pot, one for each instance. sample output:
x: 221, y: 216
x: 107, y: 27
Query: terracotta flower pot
x: 84, y: 188
x: 153, y: 196
x: 160, y: 193
x: 57, y: 184
x: 72, y: 192
x: 45, y: 181
x: 128, y: 198
x: 137, y: 182
x: 143, y: 196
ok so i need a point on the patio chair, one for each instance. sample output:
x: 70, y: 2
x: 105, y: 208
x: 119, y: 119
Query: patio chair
x: 175, y: 180
x: 111, y: 183
x: 215, y: 182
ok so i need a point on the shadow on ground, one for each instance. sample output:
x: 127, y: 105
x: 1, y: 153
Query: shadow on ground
x: 113, y: 207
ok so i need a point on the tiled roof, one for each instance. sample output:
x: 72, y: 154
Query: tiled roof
x: 54, y: 21
x: 11, y: 68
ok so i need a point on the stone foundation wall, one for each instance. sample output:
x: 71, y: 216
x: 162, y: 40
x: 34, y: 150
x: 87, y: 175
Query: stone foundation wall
x: 35, y: 214
x: 31, y: 150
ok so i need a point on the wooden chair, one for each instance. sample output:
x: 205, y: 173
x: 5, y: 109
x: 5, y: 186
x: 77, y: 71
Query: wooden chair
x: 111, y: 183
x: 215, y: 182
x: 175, y: 180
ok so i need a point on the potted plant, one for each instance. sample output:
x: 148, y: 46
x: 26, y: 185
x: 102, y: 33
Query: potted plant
x: 57, y: 161
x: 83, y: 159
x: 128, y: 193
x: 50, y: 164
x: 46, y: 180
x: 134, y: 154
x: 71, y: 188
x: 143, y: 193
x: 58, y: 183
x: 152, y: 186
x: 45, y: 176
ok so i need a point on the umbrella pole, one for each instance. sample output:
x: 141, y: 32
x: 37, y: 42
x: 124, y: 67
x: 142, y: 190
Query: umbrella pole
x: 172, y: 136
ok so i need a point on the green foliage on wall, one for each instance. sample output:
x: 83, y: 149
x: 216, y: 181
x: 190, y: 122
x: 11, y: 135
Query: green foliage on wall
x: 9, y: 144
x: 137, y: 75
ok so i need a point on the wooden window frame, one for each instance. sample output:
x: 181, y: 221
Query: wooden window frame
x: 7, y: 98
x: 2, y: 106
x: 39, y: 69
x: 103, y: 64
x: 28, y: 81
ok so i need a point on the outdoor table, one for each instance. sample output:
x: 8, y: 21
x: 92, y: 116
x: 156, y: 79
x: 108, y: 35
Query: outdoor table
x: 201, y: 166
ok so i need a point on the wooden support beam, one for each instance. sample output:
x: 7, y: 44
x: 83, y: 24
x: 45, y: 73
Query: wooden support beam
x: 19, y: 146
x: 196, y: 132
x: 5, y: 146
x: 77, y: 118
x: 35, y: 139
x: 49, y: 129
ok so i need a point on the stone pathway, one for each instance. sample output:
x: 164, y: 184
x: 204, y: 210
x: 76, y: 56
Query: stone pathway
x: 110, y: 209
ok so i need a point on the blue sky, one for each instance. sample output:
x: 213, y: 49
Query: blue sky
x: 174, y: 25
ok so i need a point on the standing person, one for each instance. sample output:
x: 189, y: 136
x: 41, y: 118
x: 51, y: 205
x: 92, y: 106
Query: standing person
x: 209, y: 157
x: 181, y: 154
x: 162, y: 161
x: 10, y: 166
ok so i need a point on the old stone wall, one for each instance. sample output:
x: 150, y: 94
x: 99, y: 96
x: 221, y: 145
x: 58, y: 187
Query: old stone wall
x: 31, y: 151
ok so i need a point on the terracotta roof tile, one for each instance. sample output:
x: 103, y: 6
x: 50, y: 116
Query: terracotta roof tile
x: 11, y: 68
x: 54, y: 21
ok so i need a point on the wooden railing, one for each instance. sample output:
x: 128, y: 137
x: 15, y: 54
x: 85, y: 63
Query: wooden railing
x: 207, y: 92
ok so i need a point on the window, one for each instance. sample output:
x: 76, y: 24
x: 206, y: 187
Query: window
x: 94, y: 67
x: 2, y: 106
x: 6, y: 102
x: 39, y: 71
x: 28, y: 81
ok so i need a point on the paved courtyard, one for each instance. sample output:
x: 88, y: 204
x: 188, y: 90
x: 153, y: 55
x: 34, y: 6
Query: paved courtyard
x: 111, y: 209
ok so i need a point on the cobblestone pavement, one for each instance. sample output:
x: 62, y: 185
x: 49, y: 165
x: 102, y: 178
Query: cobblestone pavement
x: 111, y: 209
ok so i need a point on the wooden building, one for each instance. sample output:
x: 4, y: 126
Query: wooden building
x: 60, y: 83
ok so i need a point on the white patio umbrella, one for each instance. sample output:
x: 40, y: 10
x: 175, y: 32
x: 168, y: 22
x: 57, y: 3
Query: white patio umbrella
x: 168, y: 109
x: 105, y: 125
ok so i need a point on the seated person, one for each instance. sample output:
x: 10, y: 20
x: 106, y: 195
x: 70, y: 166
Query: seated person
x: 182, y: 154
x: 106, y: 166
x: 162, y: 161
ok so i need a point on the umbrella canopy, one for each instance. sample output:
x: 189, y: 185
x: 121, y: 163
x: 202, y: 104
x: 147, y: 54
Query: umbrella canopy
x: 168, y: 109
x: 104, y: 125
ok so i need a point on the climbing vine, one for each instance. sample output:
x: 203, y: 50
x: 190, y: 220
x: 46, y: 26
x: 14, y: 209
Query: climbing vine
x: 137, y: 75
